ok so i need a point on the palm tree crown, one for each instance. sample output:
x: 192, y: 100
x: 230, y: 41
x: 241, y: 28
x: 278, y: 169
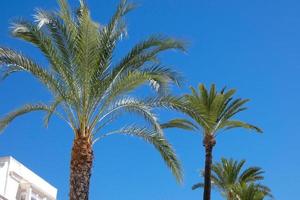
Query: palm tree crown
x: 228, y: 173
x: 211, y: 110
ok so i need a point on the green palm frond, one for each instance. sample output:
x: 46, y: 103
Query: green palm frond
x: 134, y: 106
x: 147, y: 51
x: 197, y: 185
x: 65, y: 10
x: 52, y: 109
x: 4, y: 121
x: 252, y: 174
x: 266, y: 190
x: 179, y: 123
x: 31, y: 33
x: 159, y: 80
x: 239, y: 124
x: 161, y: 77
x: 17, y: 62
x: 7, y: 71
x: 159, y: 142
x: 178, y: 104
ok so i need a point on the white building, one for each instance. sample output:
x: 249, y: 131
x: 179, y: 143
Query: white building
x: 19, y: 183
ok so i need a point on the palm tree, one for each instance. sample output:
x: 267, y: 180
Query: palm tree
x: 228, y: 173
x: 251, y: 191
x: 88, y: 86
x: 213, y: 112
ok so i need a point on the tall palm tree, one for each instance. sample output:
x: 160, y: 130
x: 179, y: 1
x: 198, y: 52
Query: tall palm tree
x: 89, y: 87
x: 228, y: 173
x: 213, y: 112
x: 251, y: 191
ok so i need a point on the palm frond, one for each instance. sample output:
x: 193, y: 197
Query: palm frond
x: 64, y: 10
x: 147, y: 51
x: 252, y: 174
x: 179, y: 104
x: 63, y: 39
x: 4, y: 121
x: 132, y: 105
x: 197, y: 185
x: 52, y: 109
x: 31, y: 33
x: 239, y: 124
x: 17, y: 62
x: 109, y: 36
x: 234, y: 107
x: 160, y: 143
x: 162, y: 77
x: 180, y: 123
x: 132, y: 80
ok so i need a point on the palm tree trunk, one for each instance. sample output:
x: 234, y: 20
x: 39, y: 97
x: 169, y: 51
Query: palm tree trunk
x: 209, y: 143
x: 81, y: 166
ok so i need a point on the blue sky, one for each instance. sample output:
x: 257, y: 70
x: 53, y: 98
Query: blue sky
x: 253, y: 46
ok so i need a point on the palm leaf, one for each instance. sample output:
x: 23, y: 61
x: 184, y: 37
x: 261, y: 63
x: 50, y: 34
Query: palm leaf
x: 179, y: 123
x: 197, y: 185
x: 159, y: 142
x: 251, y: 174
x: 132, y: 105
x: 21, y: 111
x: 239, y: 124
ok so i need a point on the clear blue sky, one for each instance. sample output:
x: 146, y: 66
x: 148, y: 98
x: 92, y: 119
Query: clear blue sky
x: 253, y: 46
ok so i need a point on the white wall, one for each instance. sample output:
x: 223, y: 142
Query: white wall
x: 14, y: 176
x: 4, y: 162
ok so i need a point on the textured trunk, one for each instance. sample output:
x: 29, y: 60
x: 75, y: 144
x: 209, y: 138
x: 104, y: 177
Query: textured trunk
x: 81, y: 166
x: 208, y: 143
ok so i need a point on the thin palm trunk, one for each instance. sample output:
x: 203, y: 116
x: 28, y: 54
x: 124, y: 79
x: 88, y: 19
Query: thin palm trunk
x: 209, y: 143
x: 81, y: 167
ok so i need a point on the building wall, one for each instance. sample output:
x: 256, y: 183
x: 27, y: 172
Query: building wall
x: 3, y: 174
x: 16, y: 181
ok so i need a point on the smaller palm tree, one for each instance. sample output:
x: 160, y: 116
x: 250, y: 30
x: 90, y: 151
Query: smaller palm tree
x: 228, y: 173
x: 212, y: 111
x: 251, y: 191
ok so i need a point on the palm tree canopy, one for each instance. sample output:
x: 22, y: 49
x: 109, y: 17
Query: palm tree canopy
x: 212, y: 110
x: 228, y: 173
x: 89, y: 87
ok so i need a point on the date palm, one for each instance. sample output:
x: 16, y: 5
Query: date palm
x: 213, y: 112
x: 89, y: 87
x: 228, y: 173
